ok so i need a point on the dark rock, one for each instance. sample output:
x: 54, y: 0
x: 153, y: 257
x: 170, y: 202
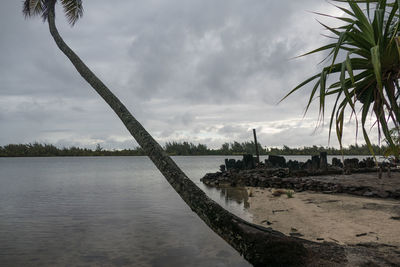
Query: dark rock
x: 383, y: 194
x: 396, y: 194
x: 323, y: 163
x: 248, y: 162
x: 267, y: 222
x: 300, y: 173
x: 282, y: 173
x: 222, y: 168
x: 368, y: 194
x: 351, y: 163
x: 296, y: 234
x: 230, y: 163
x: 293, y: 165
x: 369, y: 162
x: 277, y: 161
x: 347, y: 172
x: 288, y: 179
x: 307, y: 165
x: 238, y: 165
x: 362, y: 164
x: 315, y: 160
x: 268, y: 164
x: 337, y: 162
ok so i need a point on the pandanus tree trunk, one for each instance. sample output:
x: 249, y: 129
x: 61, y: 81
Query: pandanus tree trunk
x: 260, y: 246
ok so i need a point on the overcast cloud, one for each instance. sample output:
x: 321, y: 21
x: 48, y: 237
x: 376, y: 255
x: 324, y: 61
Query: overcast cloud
x: 204, y: 71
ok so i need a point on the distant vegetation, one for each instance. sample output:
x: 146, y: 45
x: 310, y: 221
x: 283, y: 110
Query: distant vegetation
x: 46, y: 150
x: 237, y: 148
x: 178, y: 149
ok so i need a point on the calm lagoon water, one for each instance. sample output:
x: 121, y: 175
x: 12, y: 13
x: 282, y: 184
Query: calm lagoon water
x: 107, y: 211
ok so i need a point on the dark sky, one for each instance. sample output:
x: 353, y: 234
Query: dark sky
x: 204, y: 71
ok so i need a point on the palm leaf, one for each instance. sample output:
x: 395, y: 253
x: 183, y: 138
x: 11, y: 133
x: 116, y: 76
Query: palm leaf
x: 32, y: 7
x: 376, y: 62
x: 370, y: 72
x: 73, y: 10
x: 36, y: 7
x: 25, y: 8
x: 349, y: 68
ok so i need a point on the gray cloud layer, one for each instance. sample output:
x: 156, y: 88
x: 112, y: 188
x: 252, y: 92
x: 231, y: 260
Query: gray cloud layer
x: 203, y: 71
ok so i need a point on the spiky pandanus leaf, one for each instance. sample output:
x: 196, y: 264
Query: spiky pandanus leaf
x: 369, y: 74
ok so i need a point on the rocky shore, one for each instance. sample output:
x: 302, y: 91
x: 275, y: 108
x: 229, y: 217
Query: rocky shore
x: 353, y: 177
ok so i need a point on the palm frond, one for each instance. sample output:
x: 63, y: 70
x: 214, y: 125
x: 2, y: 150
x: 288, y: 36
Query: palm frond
x: 73, y: 10
x: 36, y: 7
x: 25, y: 9
x: 32, y: 8
x: 47, y: 4
x: 371, y: 69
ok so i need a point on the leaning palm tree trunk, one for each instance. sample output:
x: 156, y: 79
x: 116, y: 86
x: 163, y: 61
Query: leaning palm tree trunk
x: 260, y: 246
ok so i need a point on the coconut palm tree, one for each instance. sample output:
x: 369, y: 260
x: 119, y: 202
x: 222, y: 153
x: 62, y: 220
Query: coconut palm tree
x: 260, y: 246
x: 368, y: 75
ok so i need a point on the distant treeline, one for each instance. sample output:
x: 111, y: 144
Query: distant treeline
x: 237, y: 148
x: 46, y: 150
x: 178, y: 149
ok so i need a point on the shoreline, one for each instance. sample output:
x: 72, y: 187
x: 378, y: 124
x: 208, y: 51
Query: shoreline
x: 365, y: 184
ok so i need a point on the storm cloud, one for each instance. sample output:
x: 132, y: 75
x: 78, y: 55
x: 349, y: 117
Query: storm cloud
x: 201, y: 71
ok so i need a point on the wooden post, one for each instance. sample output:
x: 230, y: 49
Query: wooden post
x: 256, y: 144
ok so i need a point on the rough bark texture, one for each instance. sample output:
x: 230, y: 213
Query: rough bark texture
x: 260, y: 246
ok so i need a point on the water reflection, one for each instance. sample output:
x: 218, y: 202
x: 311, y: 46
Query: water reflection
x: 239, y: 195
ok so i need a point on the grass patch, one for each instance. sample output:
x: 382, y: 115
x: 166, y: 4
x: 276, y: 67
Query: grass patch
x: 289, y: 193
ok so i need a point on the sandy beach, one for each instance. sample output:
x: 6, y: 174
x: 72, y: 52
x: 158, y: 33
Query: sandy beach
x: 359, y: 213
x: 339, y: 218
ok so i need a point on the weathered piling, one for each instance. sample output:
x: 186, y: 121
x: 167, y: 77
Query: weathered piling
x: 256, y: 144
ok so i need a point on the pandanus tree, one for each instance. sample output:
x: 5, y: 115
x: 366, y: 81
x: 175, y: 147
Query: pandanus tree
x: 260, y: 246
x: 364, y: 61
